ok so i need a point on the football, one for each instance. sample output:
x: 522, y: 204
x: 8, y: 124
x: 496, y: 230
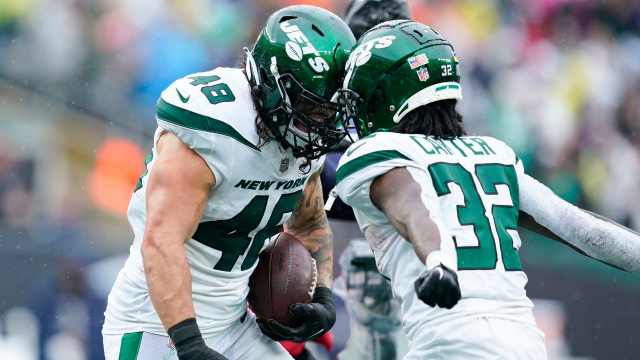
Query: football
x: 286, y: 274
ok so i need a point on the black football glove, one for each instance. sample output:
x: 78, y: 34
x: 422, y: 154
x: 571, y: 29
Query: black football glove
x: 319, y: 316
x: 438, y: 286
x: 189, y: 343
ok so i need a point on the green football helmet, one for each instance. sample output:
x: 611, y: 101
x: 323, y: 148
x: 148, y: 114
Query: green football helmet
x: 394, y: 68
x: 296, y: 66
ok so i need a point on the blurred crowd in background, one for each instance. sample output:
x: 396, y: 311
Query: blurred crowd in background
x: 557, y: 80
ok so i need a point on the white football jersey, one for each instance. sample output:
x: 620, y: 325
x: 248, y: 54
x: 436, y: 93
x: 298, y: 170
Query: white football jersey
x: 255, y: 193
x: 470, y: 186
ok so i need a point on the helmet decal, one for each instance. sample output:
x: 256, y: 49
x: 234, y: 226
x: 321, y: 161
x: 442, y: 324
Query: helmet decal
x: 295, y: 51
x: 362, y: 53
x: 418, y: 61
x: 423, y: 74
x: 318, y: 64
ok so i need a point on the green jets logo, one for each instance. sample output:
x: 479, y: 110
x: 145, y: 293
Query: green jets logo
x: 296, y: 51
x: 362, y: 53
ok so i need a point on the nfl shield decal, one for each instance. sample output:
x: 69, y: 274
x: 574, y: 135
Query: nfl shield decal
x: 418, y: 61
x: 423, y: 74
x: 284, y: 164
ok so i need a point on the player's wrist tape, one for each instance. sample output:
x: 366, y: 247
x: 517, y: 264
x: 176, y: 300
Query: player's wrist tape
x: 187, y: 339
x: 436, y: 258
x: 323, y: 295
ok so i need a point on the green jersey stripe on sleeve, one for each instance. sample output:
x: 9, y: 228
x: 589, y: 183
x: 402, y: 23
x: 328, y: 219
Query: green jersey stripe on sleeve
x: 191, y: 120
x: 130, y: 346
x: 363, y: 161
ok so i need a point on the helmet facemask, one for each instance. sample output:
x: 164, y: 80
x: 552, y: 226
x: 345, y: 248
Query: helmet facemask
x: 351, y: 104
x: 309, y: 124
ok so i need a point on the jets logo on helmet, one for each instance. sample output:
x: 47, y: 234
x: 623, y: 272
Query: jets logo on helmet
x: 295, y: 52
x: 375, y: 100
x: 362, y: 53
x: 295, y: 67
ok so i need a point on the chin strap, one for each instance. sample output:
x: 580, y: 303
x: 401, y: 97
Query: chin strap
x: 251, y: 69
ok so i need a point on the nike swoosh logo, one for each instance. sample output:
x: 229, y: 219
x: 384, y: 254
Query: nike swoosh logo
x: 184, y: 99
x: 349, y: 152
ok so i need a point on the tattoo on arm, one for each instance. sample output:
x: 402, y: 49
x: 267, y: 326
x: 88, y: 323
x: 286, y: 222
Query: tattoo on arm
x: 309, y: 224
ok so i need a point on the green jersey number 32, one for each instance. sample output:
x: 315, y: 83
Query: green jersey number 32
x: 473, y: 212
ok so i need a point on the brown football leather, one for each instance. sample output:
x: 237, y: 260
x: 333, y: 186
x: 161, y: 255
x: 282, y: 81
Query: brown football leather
x: 286, y: 274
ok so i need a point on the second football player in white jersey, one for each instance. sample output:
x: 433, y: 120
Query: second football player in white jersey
x: 440, y: 210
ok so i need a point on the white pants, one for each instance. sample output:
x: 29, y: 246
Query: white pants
x: 484, y: 338
x: 241, y: 341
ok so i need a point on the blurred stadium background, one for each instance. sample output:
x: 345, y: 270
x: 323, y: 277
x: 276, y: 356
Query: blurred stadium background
x: 559, y: 81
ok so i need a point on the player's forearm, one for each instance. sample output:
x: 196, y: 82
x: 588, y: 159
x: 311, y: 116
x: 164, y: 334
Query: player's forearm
x: 168, y: 278
x: 595, y: 236
x: 399, y: 196
x: 321, y: 249
x: 317, y: 237
x: 528, y: 222
x: 424, y: 235
x: 309, y: 224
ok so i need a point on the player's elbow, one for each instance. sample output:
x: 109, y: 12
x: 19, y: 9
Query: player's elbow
x: 148, y: 247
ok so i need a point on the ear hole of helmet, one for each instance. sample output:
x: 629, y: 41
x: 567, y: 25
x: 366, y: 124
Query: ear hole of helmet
x: 372, y: 107
x: 378, y: 97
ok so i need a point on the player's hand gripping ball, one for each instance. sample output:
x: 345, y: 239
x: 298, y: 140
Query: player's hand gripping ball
x: 283, y: 293
x: 319, y: 317
x: 438, y: 286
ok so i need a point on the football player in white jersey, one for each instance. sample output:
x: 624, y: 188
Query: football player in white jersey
x: 236, y: 156
x: 440, y: 210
